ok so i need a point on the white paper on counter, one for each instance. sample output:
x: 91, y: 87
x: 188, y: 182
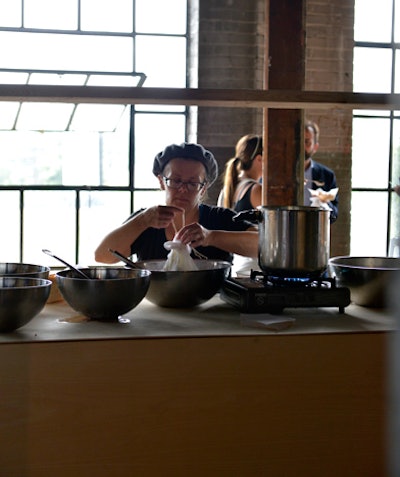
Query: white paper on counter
x: 265, y: 320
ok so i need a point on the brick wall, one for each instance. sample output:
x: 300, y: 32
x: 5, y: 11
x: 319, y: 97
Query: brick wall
x: 231, y: 55
x: 329, y: 67
x: 231, y: 44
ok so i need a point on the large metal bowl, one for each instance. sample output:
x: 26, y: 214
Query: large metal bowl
x: 109, y: 293
x: 368, y: 278
x: 21, y: 299
x: 184, y: 289
x: 10, y: 269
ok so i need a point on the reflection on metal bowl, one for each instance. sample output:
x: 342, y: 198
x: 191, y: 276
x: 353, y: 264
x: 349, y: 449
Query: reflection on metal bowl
x: 368, y: 278
x: 109, y: 293
x: 187, y: 289
x: 21, y: 299
x: 10, y: 269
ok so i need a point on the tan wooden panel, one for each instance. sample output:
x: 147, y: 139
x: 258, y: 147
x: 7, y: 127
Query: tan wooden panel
x: 243, y: 406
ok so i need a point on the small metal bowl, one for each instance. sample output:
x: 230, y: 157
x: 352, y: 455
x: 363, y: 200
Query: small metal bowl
x: 109, y: 293
x: 368, y: 278
x: 21, y: 299
x: 184, y: 289
x: 10, y: 269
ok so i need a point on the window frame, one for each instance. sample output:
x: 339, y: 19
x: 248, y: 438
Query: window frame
x: 131, y: 188
x: 393, y: 115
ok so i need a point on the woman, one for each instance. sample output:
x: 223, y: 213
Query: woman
x: 242, y: 187
x: 184, y: 172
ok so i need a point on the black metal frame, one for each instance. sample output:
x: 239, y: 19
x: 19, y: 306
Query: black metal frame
x: 393, y: 46
x: 78, y: 189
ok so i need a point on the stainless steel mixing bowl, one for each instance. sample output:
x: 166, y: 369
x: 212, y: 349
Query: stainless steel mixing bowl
x: 109, y: 293
x: 184, y: 289
x: 10, y: 269
x: 368, y: 278
x: 21, y: 299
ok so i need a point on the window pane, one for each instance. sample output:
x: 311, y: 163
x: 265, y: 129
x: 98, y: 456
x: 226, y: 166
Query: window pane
x: 368, y: 223
x: 395, y: 217
x: 372, y: 70
x: 33, y: 158
x: 86, y: 159
x: 44, y: 116
x: 49, y: 222
x: 97, y: 117
x: 114, y: 160
x: 170, y: 18
x: 153, y: 133
x: 13, y: 78
x: 107, y: 16
x: 370, y: 166
x: 63, y: 116
x: 66, y: 79
x: 113, y: 80
x: 8, y: 114
x: 373, y: 20
x: 57, y: 79
x: 397, y: 71
x: 59, y: 52
x: 55, y: 15
x: 9, y: 218
x: 163, y: 60
x: 396, y: 153
x: 100, y: 213
x: 397, y: 21
x: 30, y: 158
x: 10, y: 13
x: 395, y: 206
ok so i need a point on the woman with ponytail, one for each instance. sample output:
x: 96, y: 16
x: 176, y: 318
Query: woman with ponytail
x: 242, y: 187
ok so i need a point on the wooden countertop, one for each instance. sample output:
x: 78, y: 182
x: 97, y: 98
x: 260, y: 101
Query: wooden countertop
x: 59, y: 322
x: 195, y: 392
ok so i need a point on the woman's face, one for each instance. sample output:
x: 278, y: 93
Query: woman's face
x: 183, y: 170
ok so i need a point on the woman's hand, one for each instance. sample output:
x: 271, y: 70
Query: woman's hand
x: 160, y: 216
x: 194, y: 235
x: 241, y: 242
x: 121, y: 238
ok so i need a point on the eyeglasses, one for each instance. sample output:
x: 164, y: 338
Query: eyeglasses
x: 177, y: 184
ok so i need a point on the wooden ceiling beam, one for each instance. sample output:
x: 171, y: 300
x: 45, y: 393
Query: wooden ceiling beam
x: 241, y: 98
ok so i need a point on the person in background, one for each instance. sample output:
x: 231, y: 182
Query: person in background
x: 242, y: 189
x: 316, y: 175
x: 243, y: 173
x: 184, y: 172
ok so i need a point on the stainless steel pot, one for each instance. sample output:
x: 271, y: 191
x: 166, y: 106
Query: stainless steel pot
x: 294, y: 241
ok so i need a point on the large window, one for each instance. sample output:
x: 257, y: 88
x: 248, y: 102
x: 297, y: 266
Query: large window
x: 71, y: 172
x: 375, y: 213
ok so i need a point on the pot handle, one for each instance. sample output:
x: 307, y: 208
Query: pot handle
x: 252, y: 215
